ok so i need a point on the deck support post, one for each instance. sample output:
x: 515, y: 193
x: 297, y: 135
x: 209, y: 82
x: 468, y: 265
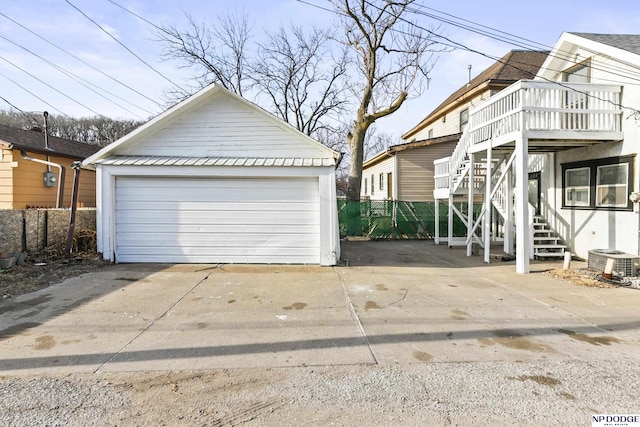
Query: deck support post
x: 523, y: 236
x: 450, y: 220
x: 437, y: 221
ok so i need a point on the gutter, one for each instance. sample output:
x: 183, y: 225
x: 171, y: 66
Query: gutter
x: 60, y: 175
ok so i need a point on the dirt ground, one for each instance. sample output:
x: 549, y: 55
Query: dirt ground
x: 42, y: 270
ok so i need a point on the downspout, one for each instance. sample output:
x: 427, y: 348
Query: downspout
x: 60, y: 175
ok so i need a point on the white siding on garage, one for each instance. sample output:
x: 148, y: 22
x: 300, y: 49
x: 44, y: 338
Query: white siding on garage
x: 224, y: 127
x: 217, y: 220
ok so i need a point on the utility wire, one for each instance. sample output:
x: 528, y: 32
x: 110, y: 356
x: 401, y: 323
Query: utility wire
x: 31, y: 93
x: 124, y: 46
x: 452, y: 43
x: 512, y: 40
x: 51, y: 87
x: 85, y: 63
x: 499, y: 60
x: 27, y: 115
x: 77, y: 78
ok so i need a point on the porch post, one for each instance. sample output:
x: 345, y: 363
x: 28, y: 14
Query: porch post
x: 470, y: 205
x: 437, y: 221
x: 486, y: 232
x: 523, y: 237
x: 508, y: 222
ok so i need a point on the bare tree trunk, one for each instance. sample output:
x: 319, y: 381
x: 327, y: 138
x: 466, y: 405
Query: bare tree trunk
x: 356, y: 146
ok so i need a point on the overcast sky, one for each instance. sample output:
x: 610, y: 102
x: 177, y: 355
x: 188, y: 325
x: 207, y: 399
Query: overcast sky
x: 58, y: 21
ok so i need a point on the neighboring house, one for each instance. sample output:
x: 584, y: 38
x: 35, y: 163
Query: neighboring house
x: 216, y: 179
x: 32, y: 169
x: 409, y: 167
x: 561, y: 149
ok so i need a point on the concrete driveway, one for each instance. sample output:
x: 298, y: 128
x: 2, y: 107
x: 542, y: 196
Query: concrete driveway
x: 396, y: 302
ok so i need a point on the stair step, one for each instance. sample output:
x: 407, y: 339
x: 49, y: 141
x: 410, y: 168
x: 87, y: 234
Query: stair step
x: 535, y: 247
x: 546, y: 239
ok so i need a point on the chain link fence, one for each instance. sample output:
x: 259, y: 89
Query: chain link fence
x: 387, y: 219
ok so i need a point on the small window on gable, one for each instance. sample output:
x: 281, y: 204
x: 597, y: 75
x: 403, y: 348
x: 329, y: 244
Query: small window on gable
x: 579, y: 73
x: 430, y: 136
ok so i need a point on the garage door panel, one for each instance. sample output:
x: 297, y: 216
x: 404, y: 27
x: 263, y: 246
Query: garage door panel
x: 137, y: 205
x: 140, y: 230
x: 228, y: 240
x: 217, y: 220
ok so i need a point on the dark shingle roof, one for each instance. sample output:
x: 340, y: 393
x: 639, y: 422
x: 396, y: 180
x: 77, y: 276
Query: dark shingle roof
x: 628, y: 42
x: 515, y: 65
x: 33, y: 141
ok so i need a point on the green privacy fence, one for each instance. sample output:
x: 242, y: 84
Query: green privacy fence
x: 386, y: 219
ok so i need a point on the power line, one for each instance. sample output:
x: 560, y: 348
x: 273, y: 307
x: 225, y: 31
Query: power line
x: 75, y: 77
x: 124, y: 46
x: 32, y: 94
x: 511, y: 39
x: 499, y: 60
x: 29, y: 116
x: 85, y: 63
x: 51, y: 87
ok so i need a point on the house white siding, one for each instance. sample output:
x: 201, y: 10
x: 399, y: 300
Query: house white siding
x: 376, y: 172
x: 585, y: 229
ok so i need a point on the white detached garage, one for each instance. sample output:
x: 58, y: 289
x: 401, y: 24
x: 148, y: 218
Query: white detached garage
x: 216, y: 179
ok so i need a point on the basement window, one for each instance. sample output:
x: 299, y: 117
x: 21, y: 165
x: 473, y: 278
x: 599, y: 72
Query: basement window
x: 598, y: 184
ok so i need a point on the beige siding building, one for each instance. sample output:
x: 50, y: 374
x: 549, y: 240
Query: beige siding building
x: 27, y: 182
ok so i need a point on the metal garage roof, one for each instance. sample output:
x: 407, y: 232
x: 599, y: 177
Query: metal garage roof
x: 212, y: 161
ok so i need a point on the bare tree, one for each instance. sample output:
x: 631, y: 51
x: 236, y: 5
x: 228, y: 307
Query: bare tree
x: 294, y: 71
x: 98, y: 130
x: 393, y: 60
x: 301, y: 76
x: 217, y: 52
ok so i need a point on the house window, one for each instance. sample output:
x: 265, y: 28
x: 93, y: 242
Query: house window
x: 464, y: 119
x: 366, y: 186
x: 598, y: 184
x: 381, y: 178
x: 430, y: 136
x: 373, y: 186
x: 576, y: 190
x: 612, y: 185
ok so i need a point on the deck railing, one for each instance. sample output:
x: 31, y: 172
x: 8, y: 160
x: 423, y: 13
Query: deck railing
x: 546, y: 106
x: 552, y: 109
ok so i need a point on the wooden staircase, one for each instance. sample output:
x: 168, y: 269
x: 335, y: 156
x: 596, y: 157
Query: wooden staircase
x: 546, y: 243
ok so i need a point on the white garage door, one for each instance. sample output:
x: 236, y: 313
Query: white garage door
x: 210, y: 220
